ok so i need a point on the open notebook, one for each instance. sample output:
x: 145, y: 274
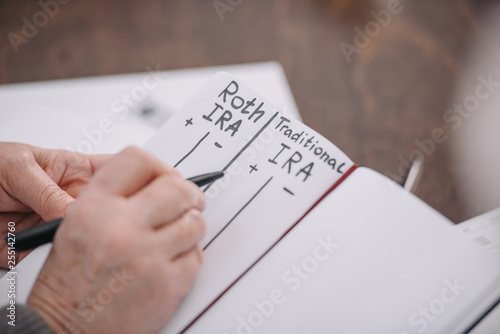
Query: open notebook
x: 368, y: 258
x: 301, y: 240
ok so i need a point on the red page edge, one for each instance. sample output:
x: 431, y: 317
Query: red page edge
x: 339, y: 181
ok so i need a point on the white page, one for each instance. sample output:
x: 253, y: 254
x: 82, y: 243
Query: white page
x: 485, y: 231
x: 33, y: 112
x: 392, y: 257
x: 262, y: 194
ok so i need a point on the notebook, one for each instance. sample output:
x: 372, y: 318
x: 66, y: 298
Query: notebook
x: 42, y: 106
x: 300, y: 239
x: 485, y: 231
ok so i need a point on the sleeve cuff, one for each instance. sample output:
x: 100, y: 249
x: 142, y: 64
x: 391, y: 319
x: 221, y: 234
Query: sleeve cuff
x: 25, y: 319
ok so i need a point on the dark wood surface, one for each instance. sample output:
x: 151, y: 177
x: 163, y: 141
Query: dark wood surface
x: 392, y: 93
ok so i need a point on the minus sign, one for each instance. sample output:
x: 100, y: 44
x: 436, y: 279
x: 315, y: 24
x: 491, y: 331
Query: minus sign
x: 288, y: 191
x: 218, y: 145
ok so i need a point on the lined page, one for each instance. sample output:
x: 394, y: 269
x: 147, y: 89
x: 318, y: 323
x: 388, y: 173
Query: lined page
x: 276, y: 169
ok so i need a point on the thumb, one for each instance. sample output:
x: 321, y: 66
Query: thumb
x: 52, y: 203
x: 34, y: 188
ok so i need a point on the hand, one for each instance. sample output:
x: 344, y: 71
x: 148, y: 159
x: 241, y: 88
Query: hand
x: 38, y: 185
x: 126, y: 252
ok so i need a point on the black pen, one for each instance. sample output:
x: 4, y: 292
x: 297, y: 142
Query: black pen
x: 44, y: 233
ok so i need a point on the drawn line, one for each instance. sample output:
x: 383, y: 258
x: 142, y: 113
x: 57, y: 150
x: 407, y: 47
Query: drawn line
x: 218, y: 145
x: 245, y: 147
x: 339, y: 181
x: 192, y: 150
x: 288, y: 191
x: 237, y: 213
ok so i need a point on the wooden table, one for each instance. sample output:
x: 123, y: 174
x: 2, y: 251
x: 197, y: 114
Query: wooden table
x: 394, y: 90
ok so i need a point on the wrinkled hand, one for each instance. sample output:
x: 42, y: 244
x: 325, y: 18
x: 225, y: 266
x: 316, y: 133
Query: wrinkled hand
x: 126, y: 252
x: 38, y: 185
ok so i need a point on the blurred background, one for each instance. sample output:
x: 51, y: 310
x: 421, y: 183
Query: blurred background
x: 378, y: 78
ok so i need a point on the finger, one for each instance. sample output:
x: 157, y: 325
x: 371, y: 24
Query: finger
x: 166, y: 199
x: 188, y: 263
x: 79, y: 171
x: 183, y: 234
x: 128, y: 171
x: 31, y: 185
x: 70, y: 170
x: 97, y: 161
x: 61, y: 161
x: 22, y: 222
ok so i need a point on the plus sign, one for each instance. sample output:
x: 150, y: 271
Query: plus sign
x: 189, y: 122
x: 253, y: 168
